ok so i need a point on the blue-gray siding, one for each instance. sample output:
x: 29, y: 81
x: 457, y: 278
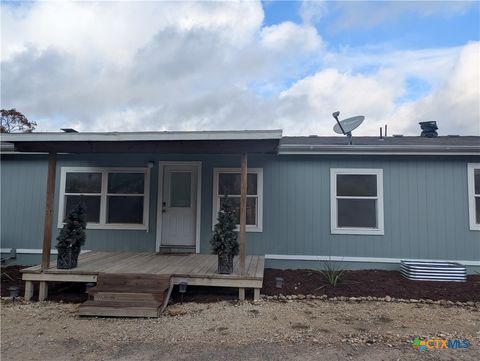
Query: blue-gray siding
x: 425, y: 205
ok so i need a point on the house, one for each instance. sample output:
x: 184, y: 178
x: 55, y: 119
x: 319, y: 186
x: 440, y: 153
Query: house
x: 309, y: 199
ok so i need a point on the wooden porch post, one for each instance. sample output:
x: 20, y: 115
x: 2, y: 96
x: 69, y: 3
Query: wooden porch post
x: 243, y: 211
x: 48, y: 220
x: 243, y: 220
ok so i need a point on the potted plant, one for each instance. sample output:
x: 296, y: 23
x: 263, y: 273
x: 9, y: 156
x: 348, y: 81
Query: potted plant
x: 224, y: 240
x: 72, y: 237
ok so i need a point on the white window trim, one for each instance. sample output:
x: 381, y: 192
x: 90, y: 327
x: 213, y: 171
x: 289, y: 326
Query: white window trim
x: 334, y: 229
x: 474, y: 226
x: 216, y: 199
x: 103, y: 205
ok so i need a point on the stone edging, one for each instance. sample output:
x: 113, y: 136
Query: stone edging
x: 288, y: 298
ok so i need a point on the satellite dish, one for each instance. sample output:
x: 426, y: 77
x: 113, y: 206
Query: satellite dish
x: 346, y: 126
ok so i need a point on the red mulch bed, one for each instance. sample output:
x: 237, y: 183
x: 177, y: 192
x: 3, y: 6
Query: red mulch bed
x: 375, y: 283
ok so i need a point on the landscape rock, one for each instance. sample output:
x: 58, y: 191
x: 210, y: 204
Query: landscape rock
x: 176, y: 311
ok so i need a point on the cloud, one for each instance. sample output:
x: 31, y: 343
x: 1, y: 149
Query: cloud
x: 114, y: 31
x: 368, y: 14
x: 312, y: 11
x: 329, y: 90
x: 290, y: 36
x: 197, y: 66
x: 455, y: 105
x: 431, y: 65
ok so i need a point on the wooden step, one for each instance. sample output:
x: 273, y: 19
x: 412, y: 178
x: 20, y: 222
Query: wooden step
x: 129, y: 297
x: 135, y: 281
x: 127, y: 289
x: 119, y: 309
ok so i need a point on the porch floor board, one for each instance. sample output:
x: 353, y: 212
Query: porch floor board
x: 196, y: 269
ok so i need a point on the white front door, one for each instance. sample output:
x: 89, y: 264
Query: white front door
x: 179, y: 205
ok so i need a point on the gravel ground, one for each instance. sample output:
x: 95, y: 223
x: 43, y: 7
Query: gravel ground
x: 306, y: 330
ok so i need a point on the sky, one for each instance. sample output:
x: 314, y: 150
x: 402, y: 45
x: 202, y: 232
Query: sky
x: 155, y: 66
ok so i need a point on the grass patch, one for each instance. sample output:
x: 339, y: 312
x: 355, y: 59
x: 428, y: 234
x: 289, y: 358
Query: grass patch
x: 332, y: 273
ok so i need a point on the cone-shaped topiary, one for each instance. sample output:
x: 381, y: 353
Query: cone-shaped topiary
x: 72, y: 237
x: 224, y: 240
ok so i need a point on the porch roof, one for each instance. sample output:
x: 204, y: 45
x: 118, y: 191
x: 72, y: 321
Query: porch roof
x: 251, y: 141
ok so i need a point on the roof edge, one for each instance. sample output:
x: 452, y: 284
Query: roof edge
x: 144, y: 136
x: 286, y: 149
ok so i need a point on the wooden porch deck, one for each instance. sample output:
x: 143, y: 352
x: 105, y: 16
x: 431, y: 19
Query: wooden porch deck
x: 195, y: 269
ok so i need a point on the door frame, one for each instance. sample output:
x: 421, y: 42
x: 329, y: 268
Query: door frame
x: 161, y: 166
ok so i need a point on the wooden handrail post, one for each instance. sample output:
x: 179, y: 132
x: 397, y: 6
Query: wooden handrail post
x: 48, y: 220
x: 243, y: 211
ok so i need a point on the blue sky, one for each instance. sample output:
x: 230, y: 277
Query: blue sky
x: 403, y: 29
x: 235, y: 65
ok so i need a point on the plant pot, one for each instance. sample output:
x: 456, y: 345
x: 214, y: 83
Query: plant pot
x: 225, y: 263
x: 67, y: 258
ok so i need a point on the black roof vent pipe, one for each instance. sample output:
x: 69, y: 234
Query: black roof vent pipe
x: 429, y: 129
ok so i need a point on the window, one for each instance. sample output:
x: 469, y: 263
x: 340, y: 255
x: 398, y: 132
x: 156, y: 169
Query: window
x: 115, y: 198
x: 356, y: 201
x: 227, y: 181
x: 474, y: 195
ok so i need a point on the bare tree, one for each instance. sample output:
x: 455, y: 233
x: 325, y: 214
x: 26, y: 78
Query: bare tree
x: 12, y: 121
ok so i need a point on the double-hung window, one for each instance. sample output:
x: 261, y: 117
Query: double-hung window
x: 226, y: 181
x: 474, y: 195
x: 115, y: 198
x: 356, y: 201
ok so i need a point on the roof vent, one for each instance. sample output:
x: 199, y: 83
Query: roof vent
x: 69, y: 130
x: 429, y: 129
x: 453, y: 135
x: 397, y: 135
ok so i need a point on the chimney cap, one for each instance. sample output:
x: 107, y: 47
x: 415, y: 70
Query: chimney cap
x: 429, y: 129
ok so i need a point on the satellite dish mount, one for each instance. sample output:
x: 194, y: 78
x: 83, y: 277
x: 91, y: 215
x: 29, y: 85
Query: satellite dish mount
x: 346, y: 126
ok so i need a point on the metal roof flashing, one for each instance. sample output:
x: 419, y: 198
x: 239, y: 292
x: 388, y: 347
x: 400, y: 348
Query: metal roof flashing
x: 143, y: 136
x: 208, y: 142
x: 266, y: 141
x: 408, y: 145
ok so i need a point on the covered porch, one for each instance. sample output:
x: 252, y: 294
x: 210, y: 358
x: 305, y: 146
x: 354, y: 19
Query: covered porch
x: 194, y: 269
x: 168, y: 154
